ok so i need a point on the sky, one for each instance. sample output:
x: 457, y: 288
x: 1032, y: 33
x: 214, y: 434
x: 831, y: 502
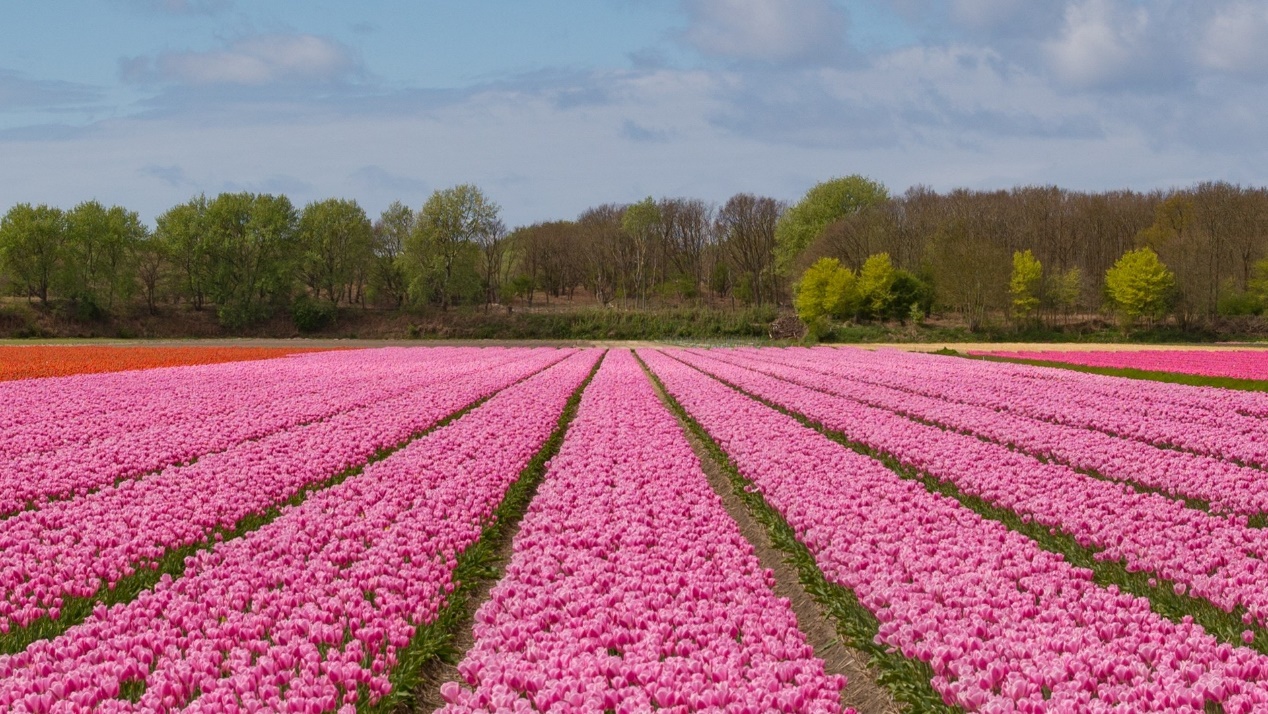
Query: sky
x: 553, y: 106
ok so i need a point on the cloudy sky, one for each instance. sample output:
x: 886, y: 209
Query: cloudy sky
x: 555, y: 105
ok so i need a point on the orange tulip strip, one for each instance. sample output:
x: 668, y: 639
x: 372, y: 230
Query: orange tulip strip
x: 28, y: 362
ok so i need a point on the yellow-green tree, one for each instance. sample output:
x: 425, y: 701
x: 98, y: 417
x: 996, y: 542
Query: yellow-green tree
x: 1140, y: 285
x: 1022, y: 286
x: 827, y: 289
x: 876, y: 284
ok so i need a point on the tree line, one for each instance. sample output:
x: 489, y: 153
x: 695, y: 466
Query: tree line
x: 1042, y: 253
x: 1026, y: 254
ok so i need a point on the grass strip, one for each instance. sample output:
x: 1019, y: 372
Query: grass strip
x: 477, y: 565
x: 1192, y: 380
x: 907, y: 680
x: 75, y: 610
x: 1164, y: 596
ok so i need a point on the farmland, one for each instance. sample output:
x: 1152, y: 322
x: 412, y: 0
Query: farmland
x: 581, y: 529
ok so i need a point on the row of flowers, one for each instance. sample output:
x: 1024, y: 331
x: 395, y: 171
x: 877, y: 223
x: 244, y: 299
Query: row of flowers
x: 631, y: 588
x: 309, y: 612
x: 1004, y: 625
x: 1226, y: 424
x: 93, y: 435
x: 73, y: 548
x: 1225, y: 486
x: 1238, y: 364
x: 1211, y: 557
x: 41, y: 361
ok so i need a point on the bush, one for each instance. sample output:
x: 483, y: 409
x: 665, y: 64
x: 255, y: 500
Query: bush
x: 1239, y: 303
x: 312, y: 315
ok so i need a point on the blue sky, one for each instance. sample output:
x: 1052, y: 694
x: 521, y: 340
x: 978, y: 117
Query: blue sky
x: 552, y: 106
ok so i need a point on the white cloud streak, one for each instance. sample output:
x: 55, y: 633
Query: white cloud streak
x: 771, y: 31
x: 257, y: 60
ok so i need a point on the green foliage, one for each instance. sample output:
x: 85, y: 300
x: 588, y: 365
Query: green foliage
x: 1024, y: 283
x: 183, y: 232
x: 33, y: 246
x: 338, y: 246
x: 1065, y: 289
x: 387, y: 276
x: 1139, y: 285
x: 824, y: 203
x: 97, y: 266
x: 912, y: 297
x: 445, y: 229
x: 1234, y: 301
x: 641, y: 218
x: 876, y: 285
x: 311, y: 315
x: 829, y: 290
x: 238, y: 251
x: 1257, y: 286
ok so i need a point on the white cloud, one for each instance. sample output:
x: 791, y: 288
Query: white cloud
x: 1101, y: 43
x: 251, y: 61
x: 1236, y: 40
x: 774, y: 31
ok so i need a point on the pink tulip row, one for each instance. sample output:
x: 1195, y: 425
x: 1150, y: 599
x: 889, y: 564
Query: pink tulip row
x: 1221, y: 423
x: 631, y: 587
x: 1004, y: 625
x: 65, y: 411
x: 296, y: 616
x: 73, y: 548
x: 168, y: 427
x: 1239, y: 364
x: 1216, y: 558
x: 1226, y: 486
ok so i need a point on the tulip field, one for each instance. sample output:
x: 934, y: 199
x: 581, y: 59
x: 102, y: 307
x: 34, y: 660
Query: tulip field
x: 521, y: 529
x: 1235, y: 364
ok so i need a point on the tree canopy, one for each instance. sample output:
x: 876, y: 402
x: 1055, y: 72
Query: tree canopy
x: 823, y: 204
x: 1139, y: 285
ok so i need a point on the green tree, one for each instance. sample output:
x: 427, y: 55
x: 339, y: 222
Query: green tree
x: 1257, y: 284
x: 99, y: 251
x: 253, y: 250
x: 338, y: 246
x: 876, y: 285
x: 152, y: 261
x: 32, y: 246
x: 1066, y: 289
x: 184, y: 234
x: 447, y: 226
x: 391, y: 231
x: 641, y: 224
x: 913, y: 297
x: 1139, y: 285
x: 822, y: 205
x: 1024, y: 283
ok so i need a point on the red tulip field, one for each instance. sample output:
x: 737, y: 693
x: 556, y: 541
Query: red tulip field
x: 532, y: 529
